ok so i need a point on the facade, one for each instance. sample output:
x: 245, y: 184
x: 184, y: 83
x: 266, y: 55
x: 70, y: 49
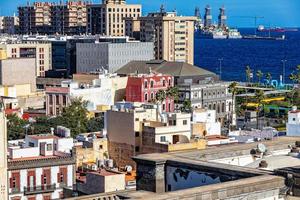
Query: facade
x: 143, y: 88
x: 93, y: 57
x: 41, y: 168
x: 19, y: 72
x: 143, y: 129
x: 41, y: 51
x: 102, y: 181
x: 9, y: 25
x: 108, y: 18
x: 172, y: 35
x: 205, y: 123
x: 51, y: 18
x: 207, y: 17
x: 208, y: 95
x: 293, y: 124
x: 3, y: 154
x: 94, y: 148
x: 104, y: 91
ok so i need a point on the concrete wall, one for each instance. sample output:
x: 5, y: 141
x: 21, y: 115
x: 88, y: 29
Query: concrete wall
x: 293, y: 129
x: 18, y: 71
x: 110, y: 56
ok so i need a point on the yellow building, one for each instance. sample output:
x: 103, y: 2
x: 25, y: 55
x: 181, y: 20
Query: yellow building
x: 91, y: 152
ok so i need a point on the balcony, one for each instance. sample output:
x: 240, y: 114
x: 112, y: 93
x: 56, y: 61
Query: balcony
x: 15, y: 191
x: 39, y: 189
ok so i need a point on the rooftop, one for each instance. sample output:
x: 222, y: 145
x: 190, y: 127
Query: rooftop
x: 164, y: 67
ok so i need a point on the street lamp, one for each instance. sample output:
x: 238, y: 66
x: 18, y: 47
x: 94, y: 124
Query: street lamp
x: 220, y: 67
x: 283, y: 70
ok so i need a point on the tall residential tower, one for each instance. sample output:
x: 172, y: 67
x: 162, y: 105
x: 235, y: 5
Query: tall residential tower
x: 207, y: 17
x: 222, y: 18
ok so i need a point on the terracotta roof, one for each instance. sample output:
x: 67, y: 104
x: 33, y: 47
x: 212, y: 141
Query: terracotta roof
x: 33, y: 158
x: 164, y: 67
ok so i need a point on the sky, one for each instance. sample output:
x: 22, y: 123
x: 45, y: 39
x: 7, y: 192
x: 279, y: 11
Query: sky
x: 279, y: 13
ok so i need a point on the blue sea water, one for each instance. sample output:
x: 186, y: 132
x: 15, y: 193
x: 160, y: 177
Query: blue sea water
x: 264, y: 55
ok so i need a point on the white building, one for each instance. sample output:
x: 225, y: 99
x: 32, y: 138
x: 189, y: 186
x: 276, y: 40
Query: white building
x: 209, y: 120
x: 103, y: 92
x: 293, y: 125
x: 40, y: 167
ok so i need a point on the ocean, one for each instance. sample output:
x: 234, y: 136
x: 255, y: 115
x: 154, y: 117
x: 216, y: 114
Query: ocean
x: 236, y: 54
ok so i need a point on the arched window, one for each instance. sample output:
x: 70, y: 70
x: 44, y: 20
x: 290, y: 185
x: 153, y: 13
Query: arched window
x: 152, y: 95
x: 146, y: 97
x: 219, y: 109
x: 146, y: 84
x: 223, y: 107
x: 152, y: 84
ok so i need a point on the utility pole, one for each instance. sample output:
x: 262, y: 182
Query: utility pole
x: 283, y: 70
x: 220, y: 67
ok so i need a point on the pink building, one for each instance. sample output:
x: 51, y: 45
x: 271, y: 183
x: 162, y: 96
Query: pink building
x: 40, y: 167
x: 143, y: 88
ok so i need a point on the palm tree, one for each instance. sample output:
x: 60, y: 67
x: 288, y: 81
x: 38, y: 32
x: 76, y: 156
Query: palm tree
x: 233, y: 90
x: 269, y: 77
x: 259, y: 96
x: 173, y: 93
x: 248, y: 74
x: 187, y: 106
x: 161, y: 96
x: 259, y: 75
x: 293, y: 77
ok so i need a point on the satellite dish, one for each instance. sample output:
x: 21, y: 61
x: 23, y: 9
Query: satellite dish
x: 128, y: 168
x: 261, y: 148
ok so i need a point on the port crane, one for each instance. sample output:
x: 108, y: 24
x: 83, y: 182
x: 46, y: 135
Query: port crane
x: 255, y: 18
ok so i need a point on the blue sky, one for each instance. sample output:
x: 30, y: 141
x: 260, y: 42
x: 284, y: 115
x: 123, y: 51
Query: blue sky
x: 275, y: 12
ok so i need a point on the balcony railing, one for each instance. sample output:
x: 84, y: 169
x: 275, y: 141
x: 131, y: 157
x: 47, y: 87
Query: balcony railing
x: 39, y: 189
x: 15, y: 190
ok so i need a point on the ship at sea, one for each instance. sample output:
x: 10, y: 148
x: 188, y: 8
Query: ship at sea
x: 208, y: 30
x: 261, y: 28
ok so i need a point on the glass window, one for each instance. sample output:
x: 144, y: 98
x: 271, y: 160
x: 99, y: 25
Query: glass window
x: 163, y: 138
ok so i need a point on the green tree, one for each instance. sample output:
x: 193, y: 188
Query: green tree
x: 95, y: 124
x: 269, y: 77
x: 75, y: 116
x: 160, y: 96
x: 259, y: 75
x: 248, y: 74
x: 187, y: 106
x: 16, y: 127
x: 259, y: 96
x: 173, y: 93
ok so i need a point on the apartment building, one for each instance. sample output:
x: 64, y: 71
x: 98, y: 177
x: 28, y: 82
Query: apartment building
x: 143, y: 88
x: 46, y: 18
x: 40, y: 167
x: 92, y: 57
x: 39, y: 51
x: 173, y: 35
x: 293, y: 123
x: 104, y: 91
x: 209, y: 95
x: 9, y: 24
x: 108, y: 18
x: 20, y: 73
x: 3, y: 154
x: 143, y: 129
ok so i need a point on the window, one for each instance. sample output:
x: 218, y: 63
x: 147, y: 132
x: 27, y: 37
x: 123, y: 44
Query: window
x: 184, y: 122
x: 100, y: 147
x: 44, y: 179
x: 152, y: 84
x: 169, y: 82
x: 164, y: 107
x: 14, y: 182
x: 146, y: 84
x: 64, y: 100
x: 50, y: 99
x: 61, y: 177
x: 137, y: 149
x: 49, y: 147
x: 164, y: 83
x: 137, y: 134
x: 152, y: 95
x: 31, y: 144
x: 57, y: 100
x: 294, y: 119
x: 146, y: 97
x: 162, y: 138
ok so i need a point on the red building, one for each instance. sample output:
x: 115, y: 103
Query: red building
x: 143, y: 88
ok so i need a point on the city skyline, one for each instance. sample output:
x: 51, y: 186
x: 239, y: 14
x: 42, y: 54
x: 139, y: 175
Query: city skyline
x: 275, y: 12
